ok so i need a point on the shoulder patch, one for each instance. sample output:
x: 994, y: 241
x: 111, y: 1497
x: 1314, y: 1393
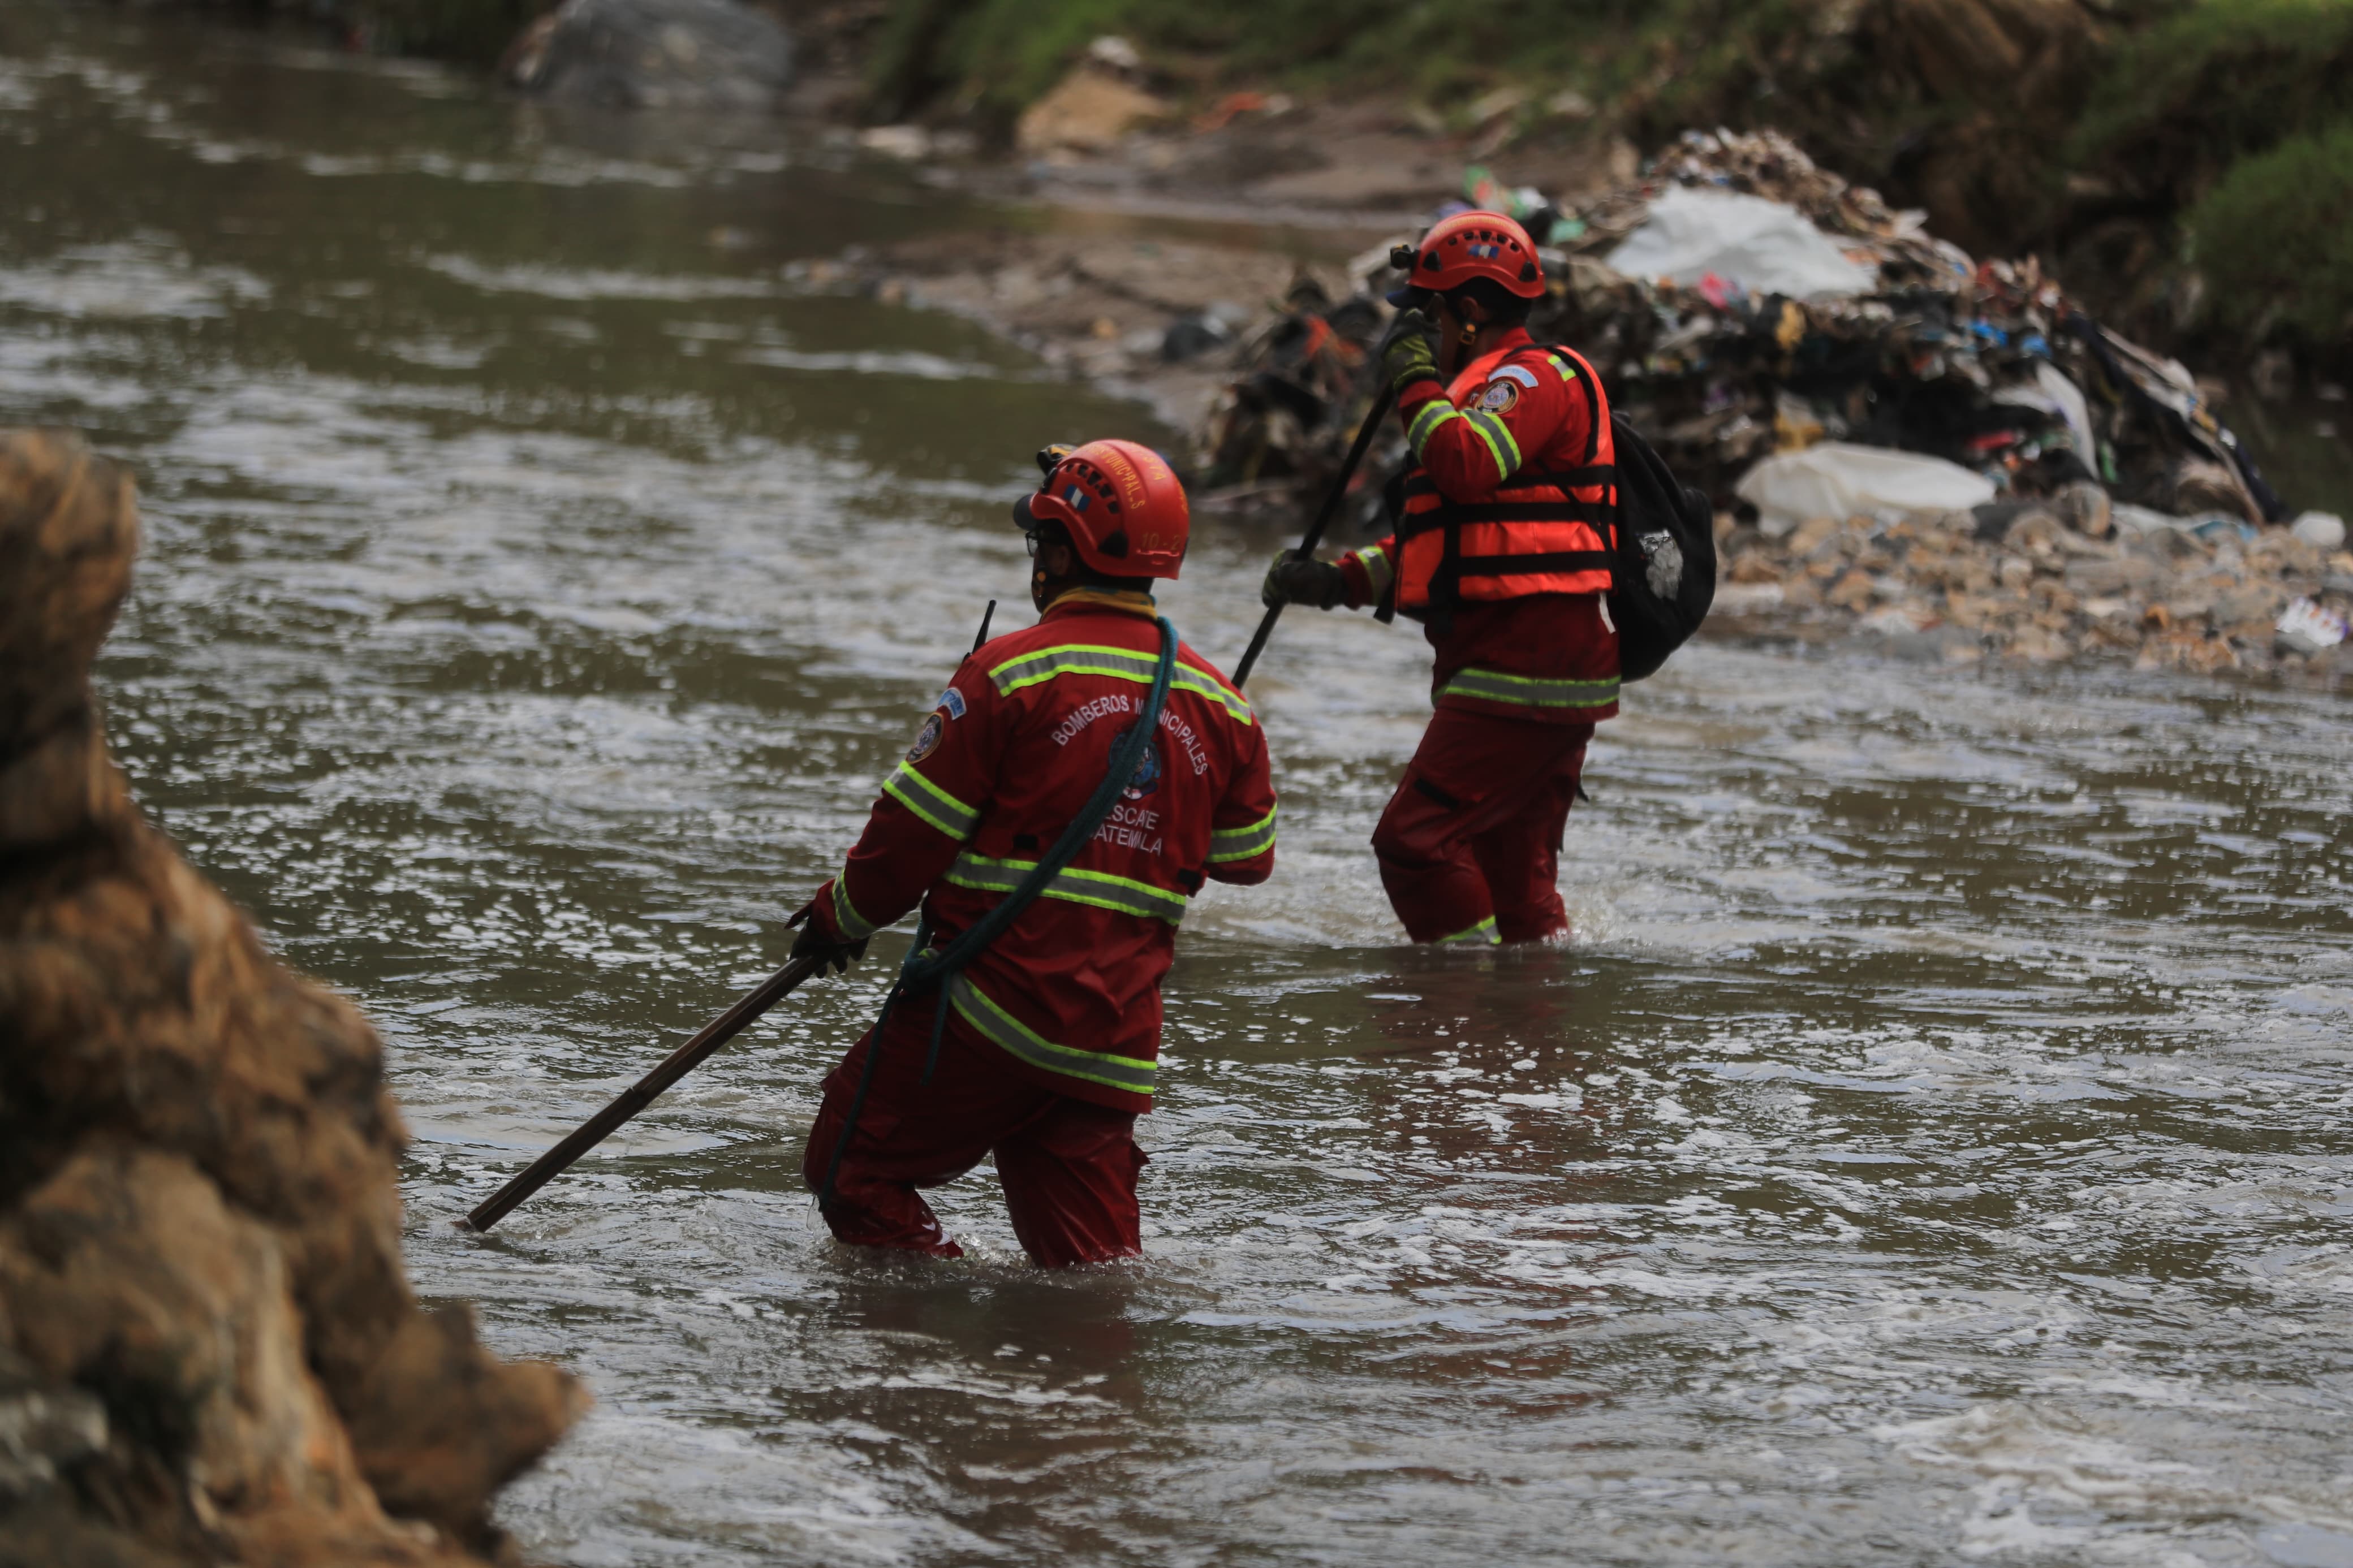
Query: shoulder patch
x: 1500, y: 395
x: 1518, y: 373
x: 927, y: 738
x: 952, y: 701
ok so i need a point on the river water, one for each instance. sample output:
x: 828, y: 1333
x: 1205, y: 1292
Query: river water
x: 1933, y: 1147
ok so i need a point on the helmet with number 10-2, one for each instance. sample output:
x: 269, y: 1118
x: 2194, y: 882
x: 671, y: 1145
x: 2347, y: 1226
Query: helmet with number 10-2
x: 1466, y: 246
x: 1124, y: 508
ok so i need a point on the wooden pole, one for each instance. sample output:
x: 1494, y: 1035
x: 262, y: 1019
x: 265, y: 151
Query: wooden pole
x: 680, y: 1062
x: 1382, y: 404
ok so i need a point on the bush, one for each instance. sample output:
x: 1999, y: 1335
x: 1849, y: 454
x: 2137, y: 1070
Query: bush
x: 2274, y: 238
x: 2217, y: 79
x: 999, y: 55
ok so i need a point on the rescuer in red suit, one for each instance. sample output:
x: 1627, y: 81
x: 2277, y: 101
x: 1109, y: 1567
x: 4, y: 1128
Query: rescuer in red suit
x: 1502, y: 555
x: 1053, y: 1032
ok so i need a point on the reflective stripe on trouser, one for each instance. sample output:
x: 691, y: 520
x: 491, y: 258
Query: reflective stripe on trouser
x: 930, y: 801
x: 1003, y: 1028
x: 1481, y: 935
x: 1528, y: 691
x: 1099, y: 888
x: 1120, y: 664
x: 1242, y: 843
x: 1473, y: 834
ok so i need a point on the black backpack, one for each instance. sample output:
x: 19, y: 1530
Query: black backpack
x: 1663, y: 568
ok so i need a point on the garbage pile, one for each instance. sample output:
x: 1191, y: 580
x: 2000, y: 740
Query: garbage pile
x: 1745, y: 307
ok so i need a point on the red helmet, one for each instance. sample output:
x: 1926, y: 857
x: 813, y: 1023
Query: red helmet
x: 1124, y: 509
x: 1474, y: 245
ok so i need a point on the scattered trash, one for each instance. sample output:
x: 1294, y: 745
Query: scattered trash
x: 1761, y: 247
x: 910, y: 144
x: 1191, y: 336
x: 2305, y: 629
x: 1945, y: 452
x: 2325, y: 528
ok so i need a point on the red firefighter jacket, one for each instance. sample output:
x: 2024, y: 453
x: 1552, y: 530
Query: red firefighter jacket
x: 1502, y: 551
x: 1009, y: 756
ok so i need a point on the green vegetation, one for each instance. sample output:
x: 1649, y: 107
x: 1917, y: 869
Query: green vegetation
x: 2217, y: 79
x: 993, y: 57
x: 2274, y: 239
x: 452, y: 29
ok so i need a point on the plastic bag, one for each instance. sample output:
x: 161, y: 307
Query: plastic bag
x: 1839, y: 479
x: 1764, y: 246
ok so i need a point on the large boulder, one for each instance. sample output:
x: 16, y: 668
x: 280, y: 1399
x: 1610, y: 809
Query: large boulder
x: 209, y: 1350
x: 653, y: 54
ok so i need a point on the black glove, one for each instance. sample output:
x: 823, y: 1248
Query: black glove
x: 1294, y: 579
x: 1409, y: 352
x: 814, y: 943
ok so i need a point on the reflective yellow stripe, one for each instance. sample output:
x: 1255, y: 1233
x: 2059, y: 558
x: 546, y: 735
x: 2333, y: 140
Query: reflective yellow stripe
x: 1527, y: 692
x: 1003, y: 1028
x: 1567, y: 371
x: 845, y: 917
x: 1498, y: 436
x: 930, y: 801
x: 1483, y: 935
x: 1101, y: 889
x: 1378, y: 569
x: 1120, y: 664
x: 1242, y: 843
x: 1426, y: 423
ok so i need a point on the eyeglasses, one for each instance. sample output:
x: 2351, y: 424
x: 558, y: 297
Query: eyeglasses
x: 1029, y: 537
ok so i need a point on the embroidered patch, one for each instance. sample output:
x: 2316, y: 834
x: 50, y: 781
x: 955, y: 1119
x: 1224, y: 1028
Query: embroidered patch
x: 1518, y: 373
x: 927, y: 738
x: 1147, y: 780
x: 1498, y: 396
x: 952, y: 700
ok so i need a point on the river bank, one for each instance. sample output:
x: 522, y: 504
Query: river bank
x: 1932, y: 1140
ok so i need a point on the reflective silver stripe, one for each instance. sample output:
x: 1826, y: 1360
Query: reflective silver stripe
x: 1426, y: 423
x: 1120, y: 664
x: 930, y: 801
x: 1567, y: 371
x: 1498, y: 436
x: 1526, y: 692
x: 1003, y: 1028
x: 845, y: 917
x: 1483, y: 935
x: 1378, y: 569
x: 1074, y: 659
x: 1100, y: 888
x: 1215, y: 690
x: 1242, y: 843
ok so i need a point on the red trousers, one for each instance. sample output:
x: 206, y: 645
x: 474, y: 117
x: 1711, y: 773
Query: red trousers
x: 1470, y: 844
x: 1068, y: 1167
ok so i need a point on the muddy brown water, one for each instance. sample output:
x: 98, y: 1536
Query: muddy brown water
x: 1934, y: 1147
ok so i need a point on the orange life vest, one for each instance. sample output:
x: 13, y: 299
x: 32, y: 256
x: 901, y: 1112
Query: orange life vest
x: 1548, y: 528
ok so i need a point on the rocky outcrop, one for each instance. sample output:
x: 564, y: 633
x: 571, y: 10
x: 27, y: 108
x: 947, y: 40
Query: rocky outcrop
x: 208, y: 1350
x: 653, y: 54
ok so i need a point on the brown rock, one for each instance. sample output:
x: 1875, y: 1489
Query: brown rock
x: 1851, y: 591
x: 1088, y: 109
x: 1754, y: 568
x: 198, y: 1215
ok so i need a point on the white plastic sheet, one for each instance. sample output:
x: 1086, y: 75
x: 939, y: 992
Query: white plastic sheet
x: 1839, y: 479
x: 1766, y: 247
